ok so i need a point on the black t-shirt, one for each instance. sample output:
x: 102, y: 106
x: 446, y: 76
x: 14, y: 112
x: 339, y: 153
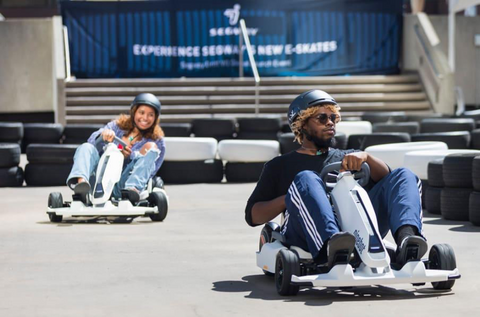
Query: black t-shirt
x: 278, y: 174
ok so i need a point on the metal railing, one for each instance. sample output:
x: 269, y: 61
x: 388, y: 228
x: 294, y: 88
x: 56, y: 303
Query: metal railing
x: 243, y: 37
x: 434, y: 71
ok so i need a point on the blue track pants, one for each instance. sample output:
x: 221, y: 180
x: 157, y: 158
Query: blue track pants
x: 310, y: 220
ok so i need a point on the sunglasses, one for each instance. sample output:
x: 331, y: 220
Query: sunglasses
x: 323, y: 118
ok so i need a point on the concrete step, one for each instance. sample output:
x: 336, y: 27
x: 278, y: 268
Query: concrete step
x: 245, y: 99
x: 131, y: 92
x: 245, y: 81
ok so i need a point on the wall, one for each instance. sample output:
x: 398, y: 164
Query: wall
x: 28, y: 65
x: 467, y: 55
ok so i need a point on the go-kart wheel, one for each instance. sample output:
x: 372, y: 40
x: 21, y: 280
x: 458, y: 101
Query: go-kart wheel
x: 55, y: 200
x: 265, y: 237
x: 159, y: 199
x: 442, y: 257
x: 286, y: 265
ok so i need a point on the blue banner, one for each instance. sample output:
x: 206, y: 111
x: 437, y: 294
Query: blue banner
x: 191, y: 38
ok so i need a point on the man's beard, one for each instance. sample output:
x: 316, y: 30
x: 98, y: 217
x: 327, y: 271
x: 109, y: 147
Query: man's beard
x: 320, y: 143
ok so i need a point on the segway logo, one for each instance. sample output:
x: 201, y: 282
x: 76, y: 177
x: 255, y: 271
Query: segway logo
x: 359, y: 242
x: 233, y: 15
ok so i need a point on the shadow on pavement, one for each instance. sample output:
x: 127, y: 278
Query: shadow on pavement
x: 461, y: 226
x: 99, y: 221
x: 263, y: 287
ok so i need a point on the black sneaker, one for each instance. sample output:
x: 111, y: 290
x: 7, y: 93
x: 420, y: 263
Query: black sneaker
x: 132, y: 195
x: 82, y: 190
x: 412, y: 248
x: 340, y: 248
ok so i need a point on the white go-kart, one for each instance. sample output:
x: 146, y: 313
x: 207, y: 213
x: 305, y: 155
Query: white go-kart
x: 153, y: 201
x: 369, y: 263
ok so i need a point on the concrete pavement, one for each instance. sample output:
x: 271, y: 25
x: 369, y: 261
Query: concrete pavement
x: 199, y: 262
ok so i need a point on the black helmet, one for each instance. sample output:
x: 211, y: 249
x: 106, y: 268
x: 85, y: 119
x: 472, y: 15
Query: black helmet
x: 306, y: 100
x: 148, y: 100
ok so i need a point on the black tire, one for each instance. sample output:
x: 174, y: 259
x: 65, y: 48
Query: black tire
x: 340, y: 141
x: 432, y: 200
x: 11, y: 132
x: 435, y: 173
x: 158, y: 198
x: 243, y: 172
x: 253, y: 135
x: 454, y: 203
x: 51, y: 153
x: 11, y: 176
x: 454, y: 140
x: 476, y: 173
x: 40, y: 174
x: 44, y: 133
x: 287, y: 143
x: 55, y: 200
x: 474, y: 114
x: 285, y: 128
x: 375, y: 117
x: 362, y: 141
x: 457, y: 170
x: 219, y: 129
x: 79, y: 133
x: 191, y: 172
x: 259, y: 125
x: 177, y: 129
x: 442, y: 257
x: 474, y: 208
x: 419, y: 117
x: 447, y: 125
x: 286, y: 265
x: 9, y: 154
x: 475, y: 140
x: 265, y: 237
x: 405, y: 127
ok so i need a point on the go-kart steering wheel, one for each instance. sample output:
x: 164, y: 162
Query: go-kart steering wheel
x: 117, y: 140
x: 362, y: 176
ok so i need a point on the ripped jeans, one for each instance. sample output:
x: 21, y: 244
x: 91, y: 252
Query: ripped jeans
x: 135, y: 174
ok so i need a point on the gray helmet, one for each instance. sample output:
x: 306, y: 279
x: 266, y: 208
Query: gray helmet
x: 148, y: 100
x: 306, y: 100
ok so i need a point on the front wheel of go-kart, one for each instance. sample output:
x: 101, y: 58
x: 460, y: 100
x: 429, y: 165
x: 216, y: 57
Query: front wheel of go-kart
x: 55, y: 200
x: 159, y: 199
x: 286, y: 265
x: 442, y: 257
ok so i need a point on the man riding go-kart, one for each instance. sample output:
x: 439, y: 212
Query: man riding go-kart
x: 319, y: 238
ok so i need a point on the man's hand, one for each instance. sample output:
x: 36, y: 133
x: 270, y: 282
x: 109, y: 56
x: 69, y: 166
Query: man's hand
x: 353, y: 161
x: 108, y: 135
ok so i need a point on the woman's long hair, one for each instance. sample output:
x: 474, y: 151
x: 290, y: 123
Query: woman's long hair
x: 126, y: 123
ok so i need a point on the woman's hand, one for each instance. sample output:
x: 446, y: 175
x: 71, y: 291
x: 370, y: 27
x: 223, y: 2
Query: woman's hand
x: 108, y: 135
x: 126, y: 151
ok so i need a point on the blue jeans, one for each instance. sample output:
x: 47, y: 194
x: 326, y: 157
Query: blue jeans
x: 135, y: 174
x: 310, y: 220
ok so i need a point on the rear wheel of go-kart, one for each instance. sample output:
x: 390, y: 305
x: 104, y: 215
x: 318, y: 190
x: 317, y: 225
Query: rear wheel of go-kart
x: 55, y: 200
x: 286, y: 265
x: 159, y: 199
x: 265, y: 237
x: 442, y: 257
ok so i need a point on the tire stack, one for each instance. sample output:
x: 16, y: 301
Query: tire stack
x: 79, y: 133
x: 457, y: 176
x: 191, y: 160
x: 11, y: 132
x: 49, y: 164
x: 11, y: 175
x: 42, y: 133
x: 455, y: 132
x: 362, y: 141
x: 246, y: 158
x: 411, y: 127
x: 220, y: 129
x: 474, y: 202
x: 259, y: 128
x: 435, y: 185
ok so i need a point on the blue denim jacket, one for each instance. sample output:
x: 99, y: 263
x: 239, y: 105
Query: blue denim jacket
x: 112, y: 125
